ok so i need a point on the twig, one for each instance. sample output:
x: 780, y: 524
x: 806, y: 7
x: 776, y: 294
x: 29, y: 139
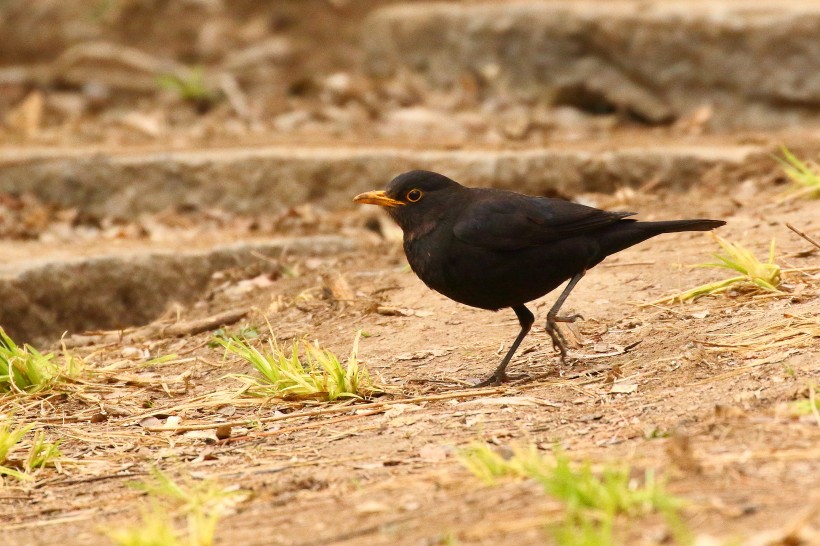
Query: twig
x: 472, y: 393
x: 198, y: 326
x: 803, y: 235
x: 179, y: 329
x: 90, y: 479
x: 88, y: 514
x: 670, y: 299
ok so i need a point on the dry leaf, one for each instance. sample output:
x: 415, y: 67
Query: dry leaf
x: 406, y: 420
x: 397, y: 409
x: 173, y: 421
x: 150, y: 422
x: 207, y: 435
x: 623, y: 388
x: 28, y: 115
x: 368, y: 466
x: 227, y: 411
x: 371, y: 507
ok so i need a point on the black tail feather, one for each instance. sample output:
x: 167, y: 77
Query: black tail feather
x: 672, y: 226
x: 625, y: 233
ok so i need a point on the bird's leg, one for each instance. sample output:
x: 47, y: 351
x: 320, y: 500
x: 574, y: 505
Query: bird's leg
x: 525, y: 319
x: 558, y: 341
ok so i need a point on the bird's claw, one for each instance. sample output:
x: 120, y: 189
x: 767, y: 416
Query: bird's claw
x: 489, y: 382
x: 568, y: 318
x: 558, y: 340
x: 498, y: 378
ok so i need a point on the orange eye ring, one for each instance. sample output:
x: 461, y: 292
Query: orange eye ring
x: 414, y: 195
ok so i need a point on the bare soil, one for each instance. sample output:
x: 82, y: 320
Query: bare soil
x: 747, y: 466
x: 700, y: 392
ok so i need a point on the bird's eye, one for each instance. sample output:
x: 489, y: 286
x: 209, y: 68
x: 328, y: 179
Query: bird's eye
x: 413, y: 195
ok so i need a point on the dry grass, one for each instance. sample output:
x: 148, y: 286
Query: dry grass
x: 755, y: 276
x: 789, y: 332
x: 805, y: 176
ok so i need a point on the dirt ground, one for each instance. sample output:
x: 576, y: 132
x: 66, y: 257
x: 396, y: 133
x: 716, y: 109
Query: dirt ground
x: 390, y: 476
x: 701, y: 393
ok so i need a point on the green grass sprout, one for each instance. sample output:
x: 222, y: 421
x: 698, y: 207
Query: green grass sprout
x: 807, y: 406
x: 304, y: 371
x: 191, y: 87
x: 41, y: 453
x: 805, y: 176
x: 26, y: 370
x: 156, y: 528
x: 11, y: 435
x: 486, y: 463
x: 200, y: 503
x: 755, y: 276
x: 245, y: 333
x: 162, y: 359
x: 593, y: 500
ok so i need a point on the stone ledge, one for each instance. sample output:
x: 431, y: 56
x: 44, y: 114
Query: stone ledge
x: 260, y: 180
x: 41, y: 299
x: 755, y: 63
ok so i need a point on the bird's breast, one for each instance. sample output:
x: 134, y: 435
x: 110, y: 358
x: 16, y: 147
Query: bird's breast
x: 426, y: 257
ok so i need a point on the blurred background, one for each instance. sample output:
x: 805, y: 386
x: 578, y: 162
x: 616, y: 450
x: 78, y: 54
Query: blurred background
x: 177, y: 173
x: 191, y: 72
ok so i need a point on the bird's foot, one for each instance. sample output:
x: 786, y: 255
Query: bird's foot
x: 497, y: 378
x: 559, y: 343
x: 568, y: 318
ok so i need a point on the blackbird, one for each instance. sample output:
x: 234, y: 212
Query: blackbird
x: 492, y: 249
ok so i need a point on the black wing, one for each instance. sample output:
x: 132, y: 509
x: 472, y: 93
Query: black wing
x: 509, y: 221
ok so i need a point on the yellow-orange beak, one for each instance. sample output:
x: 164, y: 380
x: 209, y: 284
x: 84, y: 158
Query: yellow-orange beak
x: 377, y: 198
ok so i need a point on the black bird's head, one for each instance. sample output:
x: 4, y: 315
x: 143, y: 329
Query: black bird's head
x: 415, y: 199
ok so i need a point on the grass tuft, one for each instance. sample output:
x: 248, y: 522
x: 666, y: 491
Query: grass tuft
x: 807, y: 406
x: 10, y: 436
x: 755, y: 276
x: 200, y: 503
x: 805, y: 176
x: 25, y: 370
x: 41, y: 453
x: 191, y: 87
x: 304, y: 371
x: 156, y: 528
x: 592, y: 500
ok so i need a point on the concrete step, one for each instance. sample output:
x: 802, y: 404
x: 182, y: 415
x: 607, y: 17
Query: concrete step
x: 754, y: 63
x: 267, y: 179
x: 114, y: 286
